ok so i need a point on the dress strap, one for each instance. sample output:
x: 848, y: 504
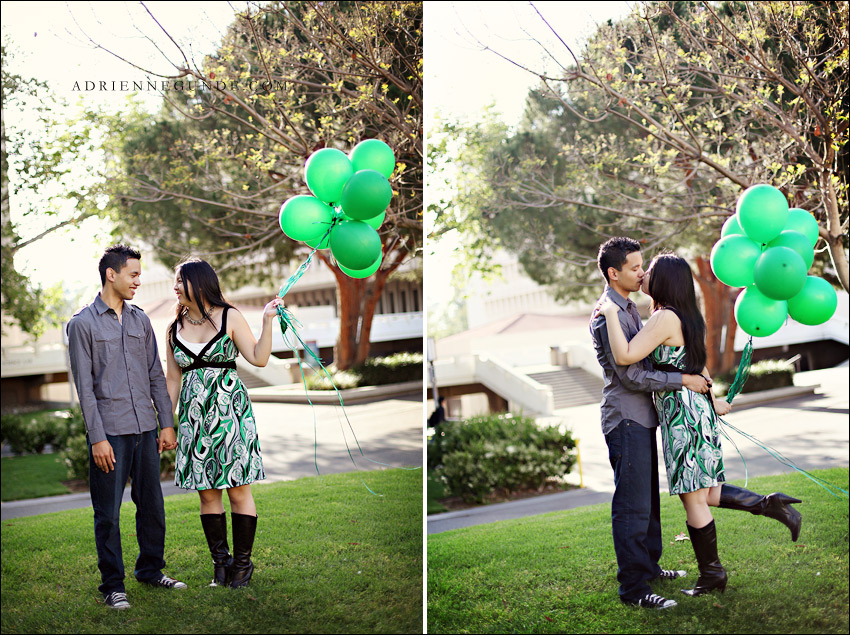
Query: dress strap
x: 224, y: 319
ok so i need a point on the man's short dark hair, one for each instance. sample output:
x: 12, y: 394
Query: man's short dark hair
x: 115, y: 258
x: 613, y: 253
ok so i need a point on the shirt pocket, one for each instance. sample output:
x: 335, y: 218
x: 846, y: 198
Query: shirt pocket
x: 136, y: 342
x: 107, y: 346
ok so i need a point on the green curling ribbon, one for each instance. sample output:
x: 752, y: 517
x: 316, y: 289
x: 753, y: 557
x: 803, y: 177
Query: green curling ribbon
x: 290, y: 325
x: 743, y: 373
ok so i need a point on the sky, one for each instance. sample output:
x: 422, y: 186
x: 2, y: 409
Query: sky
x: 53, y: 43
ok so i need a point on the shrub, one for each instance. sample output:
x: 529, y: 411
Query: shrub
x: 76, y: 458
x: 29, y: 433
x: 764, y: 375
x: 479, y: 455
x: 375, y: 371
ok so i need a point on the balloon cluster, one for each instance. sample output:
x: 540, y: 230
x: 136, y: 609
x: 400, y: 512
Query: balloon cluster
x: 351, y: 195
x: 768, y: 249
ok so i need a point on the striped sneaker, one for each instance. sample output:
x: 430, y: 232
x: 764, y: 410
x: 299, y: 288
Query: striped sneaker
x: 652, y: 601
x: 165, y: 582
x: 667, y: 574
x: 116, y: 600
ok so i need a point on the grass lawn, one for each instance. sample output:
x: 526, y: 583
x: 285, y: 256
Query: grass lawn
x: 556, y: 573
x: 330, y: 558
x: 32, y: 476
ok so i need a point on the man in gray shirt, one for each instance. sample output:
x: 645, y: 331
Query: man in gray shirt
x: 628, y: 423
x: 122, y: 393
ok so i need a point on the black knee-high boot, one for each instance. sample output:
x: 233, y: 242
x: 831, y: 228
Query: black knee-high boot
x: 712, y: 575
x: 244, y: 529
x: 776, y: 506
x: 215, y: 529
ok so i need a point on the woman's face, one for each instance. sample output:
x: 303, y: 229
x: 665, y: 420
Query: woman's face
x: 644, y: 285
x: 182, y: 290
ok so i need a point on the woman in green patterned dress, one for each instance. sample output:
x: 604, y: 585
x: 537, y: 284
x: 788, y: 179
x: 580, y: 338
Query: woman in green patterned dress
x: 674, y: 339
x: 217, y: 447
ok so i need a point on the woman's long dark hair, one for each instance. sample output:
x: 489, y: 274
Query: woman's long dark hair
x: 671, y: 285
x: 200, y: 284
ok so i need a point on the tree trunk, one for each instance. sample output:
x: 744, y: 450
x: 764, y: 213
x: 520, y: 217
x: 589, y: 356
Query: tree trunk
x: 357, y: 301
x: 833, y: 233
x: 719, y: 306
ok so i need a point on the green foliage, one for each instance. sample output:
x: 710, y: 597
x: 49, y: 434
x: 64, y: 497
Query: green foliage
x: 29, y: 433
x: 557, y: 572
x: 375, y: 371
x: 764, y: 375
x: 477, y: 456
x: 76, y: 458
x: 328, y: 557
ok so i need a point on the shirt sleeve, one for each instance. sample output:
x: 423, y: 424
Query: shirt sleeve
x: 159, y: 388
x: 80, y: 351
x: 639, y: 376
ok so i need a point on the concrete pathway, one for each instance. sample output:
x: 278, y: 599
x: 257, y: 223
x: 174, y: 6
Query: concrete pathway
x: 811, y: 429
x: 389, y: 431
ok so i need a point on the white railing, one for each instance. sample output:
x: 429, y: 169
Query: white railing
x: 521, y: 391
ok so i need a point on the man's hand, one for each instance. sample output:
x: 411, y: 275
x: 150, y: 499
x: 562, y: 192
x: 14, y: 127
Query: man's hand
x: 167, y: 439
x: 695, y: 383
x: 103, y: 455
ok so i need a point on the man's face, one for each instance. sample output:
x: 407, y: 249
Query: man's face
x: 631, y: 275
x: 126, y: 281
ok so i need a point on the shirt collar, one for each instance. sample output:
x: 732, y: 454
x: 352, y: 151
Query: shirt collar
x: 101, y: 307
x: 619, y: 300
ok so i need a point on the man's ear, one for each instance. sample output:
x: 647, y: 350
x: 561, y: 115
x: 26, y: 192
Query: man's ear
x: 110, y: 274
x: 612, y: 273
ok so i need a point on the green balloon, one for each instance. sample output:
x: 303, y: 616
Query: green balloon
x: 796, y: 241
x: 780, y: 273
x: 733, y: 258
x: 304, y: 217
x: 731, y: 226
x: 363, y: 273
x: 367, y: 194
x: 375, y: 221
x: 373, y: 154
x: 327, y: 171
x: 762, y: 212
x: 320, y: 242
x: 355, y: 245
x: 799, y: 220
x: 758, y: 315
x: 815, y: 304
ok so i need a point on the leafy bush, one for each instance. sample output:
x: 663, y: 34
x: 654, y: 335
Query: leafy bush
x: 764, y: 375
x: 29, y: 433
x: 480, y: 455
x: 76, y: 458
x: 375, y: 371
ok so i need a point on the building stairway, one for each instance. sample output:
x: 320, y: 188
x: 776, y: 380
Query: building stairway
x: 571, y: 386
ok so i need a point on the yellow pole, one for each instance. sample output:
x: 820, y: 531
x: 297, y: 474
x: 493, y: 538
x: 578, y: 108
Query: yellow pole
x: 580, y: 473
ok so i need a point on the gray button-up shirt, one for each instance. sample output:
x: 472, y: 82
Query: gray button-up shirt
x: 627, y: 388
x: 117, y: 371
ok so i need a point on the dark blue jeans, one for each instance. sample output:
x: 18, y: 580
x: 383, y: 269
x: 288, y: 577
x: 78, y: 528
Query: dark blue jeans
x: 136, y: 457
x: 635, y: 508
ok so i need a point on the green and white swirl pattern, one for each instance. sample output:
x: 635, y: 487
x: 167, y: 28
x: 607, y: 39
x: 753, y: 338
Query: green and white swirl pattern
x: 690, y: 434
x: 217, y: 444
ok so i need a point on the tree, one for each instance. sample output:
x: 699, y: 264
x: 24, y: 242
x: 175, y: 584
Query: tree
x: 210, y: 172
x: 657, y: 128
x: 34, y: 165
